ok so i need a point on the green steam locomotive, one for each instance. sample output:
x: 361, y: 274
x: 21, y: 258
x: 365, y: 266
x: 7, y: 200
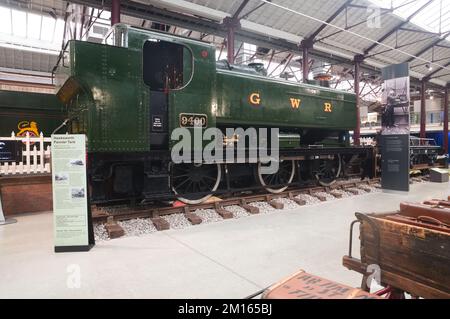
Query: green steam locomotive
x: 130, y: 94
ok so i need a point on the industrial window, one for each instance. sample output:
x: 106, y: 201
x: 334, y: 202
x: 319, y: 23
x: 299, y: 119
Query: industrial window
x: 118, y: 36
x: 167, y: 65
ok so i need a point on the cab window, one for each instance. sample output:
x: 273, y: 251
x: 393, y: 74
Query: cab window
x: 167, y: 65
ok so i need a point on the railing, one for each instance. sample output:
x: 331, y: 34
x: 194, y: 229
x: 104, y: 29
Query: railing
x: 36, y: 156
x: 435, y: 117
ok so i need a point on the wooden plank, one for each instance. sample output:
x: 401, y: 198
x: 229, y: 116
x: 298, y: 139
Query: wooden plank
x: 416, y: 210
x: 193, y: 218
x: 398, y: 281
x: 160, y: 223
x: 298, y: 201
x: 322, y: 198
x: 336, y: 194
x: 114, y: 230
x: 275, y: 204
x: 249, y: 208
x: 418, y: 253
x: 437, y: 202
x: 415, y: 222
x: 353, y: 191
x: 225, y: 214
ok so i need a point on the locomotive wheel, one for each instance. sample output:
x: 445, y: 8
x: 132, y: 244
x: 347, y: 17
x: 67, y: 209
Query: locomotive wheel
x: 283, y: 176
x: 329, y: 171
x: 188, y: 180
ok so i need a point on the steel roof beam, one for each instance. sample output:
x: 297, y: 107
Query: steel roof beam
x: 350, y: 27
x: 211, y: 26
x: 430, y: 46
x: 422, y: 64
x: 239, y: 10
x: 399, y: 47
x: 430, y: 75
x: 244, y: 16
x: 401, y: 25
x: 313, y: 35
x: 440, y: 76
x: 419, y: 31
x: 358, y: 6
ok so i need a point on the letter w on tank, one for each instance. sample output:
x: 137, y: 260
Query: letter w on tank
x: 295, y: 103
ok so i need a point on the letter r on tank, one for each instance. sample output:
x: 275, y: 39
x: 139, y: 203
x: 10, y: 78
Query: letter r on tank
x: 327, y: 107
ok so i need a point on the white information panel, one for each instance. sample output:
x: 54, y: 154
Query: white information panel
x: 69, y: 180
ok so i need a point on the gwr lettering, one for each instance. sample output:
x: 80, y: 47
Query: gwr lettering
x: 295, y: 103
x: 255, y: 99
x: 327, y: 107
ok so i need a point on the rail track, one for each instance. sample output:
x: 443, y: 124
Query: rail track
x: 110, y: 216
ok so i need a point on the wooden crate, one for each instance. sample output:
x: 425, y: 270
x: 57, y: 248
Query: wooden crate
x: 417, y: 254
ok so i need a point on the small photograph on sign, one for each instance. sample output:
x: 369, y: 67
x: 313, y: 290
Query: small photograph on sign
x: 61, y: 178
x: 77, y: 193
x: 76, y: 162
x: 395, y: 106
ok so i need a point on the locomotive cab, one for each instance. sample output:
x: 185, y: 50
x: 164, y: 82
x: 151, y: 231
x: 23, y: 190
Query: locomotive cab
x: 167, y: 66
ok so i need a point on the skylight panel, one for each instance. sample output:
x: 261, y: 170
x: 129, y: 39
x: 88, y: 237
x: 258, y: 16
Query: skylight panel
x: 5, y: 20
x: 59, y: 32
x: 48, y: 28
x: 19, y: 25
x: 34, y: 26
x: 428, y: 18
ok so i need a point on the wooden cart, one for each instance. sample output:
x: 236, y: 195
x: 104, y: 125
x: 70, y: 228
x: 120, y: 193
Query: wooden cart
x: 411, y: 248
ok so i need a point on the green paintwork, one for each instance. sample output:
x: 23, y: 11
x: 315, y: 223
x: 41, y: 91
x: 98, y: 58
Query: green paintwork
x: 289, y: 140
x: 275, y: 108
x: 17, y: 107
x: 113, y: 103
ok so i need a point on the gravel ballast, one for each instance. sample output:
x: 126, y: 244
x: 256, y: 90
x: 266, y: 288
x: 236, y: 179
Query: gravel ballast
x: 343, y: 193
x: 359, y: 191
x: 264, y: 208
x: 137, y: 227
x: 208, y: 216
x: 177, y: 221
x: 238, y: 211
x: 144, y: 226
x: 310, y: 200
x: 100, y: 233
x: 327, y: 196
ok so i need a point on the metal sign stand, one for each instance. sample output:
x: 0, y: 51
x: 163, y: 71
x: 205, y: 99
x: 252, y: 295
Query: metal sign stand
x: 4, y: 221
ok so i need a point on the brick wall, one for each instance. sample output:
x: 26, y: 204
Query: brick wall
x: 26, y: 194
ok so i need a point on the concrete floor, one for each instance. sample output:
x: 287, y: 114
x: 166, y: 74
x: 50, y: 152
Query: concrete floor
x: 229, y: 259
